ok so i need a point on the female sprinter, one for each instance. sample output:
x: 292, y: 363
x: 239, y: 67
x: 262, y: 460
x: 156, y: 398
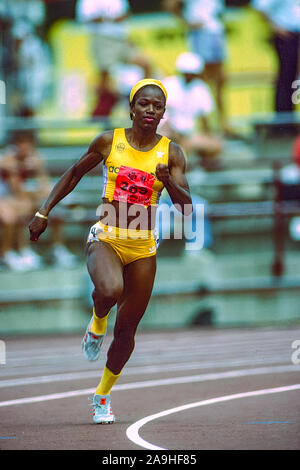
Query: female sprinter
x: 137, y: 164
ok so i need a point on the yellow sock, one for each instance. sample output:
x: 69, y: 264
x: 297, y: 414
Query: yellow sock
x: 99, y: 324
x: 108, y: 380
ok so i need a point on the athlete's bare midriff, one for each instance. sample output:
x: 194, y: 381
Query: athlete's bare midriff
x: 124, y: 215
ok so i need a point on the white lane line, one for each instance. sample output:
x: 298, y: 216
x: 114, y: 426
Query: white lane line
x: 133, y: 370
x: 158, y: 348
x: 254, y: 357
x: 132, y: 431
x: 157, y: 383
x: 12, y: 377
x: 200, y: 344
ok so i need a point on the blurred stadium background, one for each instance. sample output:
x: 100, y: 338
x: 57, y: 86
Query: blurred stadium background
x: 248, y: 273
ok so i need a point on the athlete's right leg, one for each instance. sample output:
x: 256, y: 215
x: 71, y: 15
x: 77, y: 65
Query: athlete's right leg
x: 106, y: 272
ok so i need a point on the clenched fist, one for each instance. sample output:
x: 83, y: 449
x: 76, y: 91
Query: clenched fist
x: 162, y: 172
x: 36, y: 227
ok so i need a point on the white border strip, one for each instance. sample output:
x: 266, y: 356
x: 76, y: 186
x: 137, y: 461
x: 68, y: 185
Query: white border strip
x: 137, y: 370
x: 133, y: 431
x: 158, y: 383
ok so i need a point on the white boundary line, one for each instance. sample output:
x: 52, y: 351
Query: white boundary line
x: 133, y: 431
x: 137, y: 370
x: 156, y: 383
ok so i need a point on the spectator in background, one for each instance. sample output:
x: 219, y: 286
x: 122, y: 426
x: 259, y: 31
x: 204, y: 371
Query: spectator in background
x: 112, y: 51
x: 106, y: 24
x: 290, y: 177
x: 24, y: 57
x: 33, y: 68
x: 24, y: 184
x: 296, y: 150
x: 290, y: 173
x: 190, y: 102
x: 284, y: 20
x: 206, y: 38
x: 10, y: 213
x: 107, y: 97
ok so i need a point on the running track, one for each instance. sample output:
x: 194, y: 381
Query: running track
x: 181, y: 390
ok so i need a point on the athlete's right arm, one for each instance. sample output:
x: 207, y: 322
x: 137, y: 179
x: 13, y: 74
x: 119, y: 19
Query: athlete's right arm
x: 97, y: 152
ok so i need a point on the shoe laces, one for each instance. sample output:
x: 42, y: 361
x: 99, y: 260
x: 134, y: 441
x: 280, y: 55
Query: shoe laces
x: 93, y: 339
x: 98, y: 407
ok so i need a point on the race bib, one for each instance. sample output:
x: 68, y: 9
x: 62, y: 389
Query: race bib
x: 134, y: 186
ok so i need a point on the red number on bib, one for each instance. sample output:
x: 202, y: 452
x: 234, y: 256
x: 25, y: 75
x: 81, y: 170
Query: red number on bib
x: 134, y: 186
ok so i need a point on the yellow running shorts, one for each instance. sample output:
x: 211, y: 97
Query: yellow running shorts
x: 129, y: 244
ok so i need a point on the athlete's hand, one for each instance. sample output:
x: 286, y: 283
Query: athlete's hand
x: 36, y: 227
x: 162, y: 172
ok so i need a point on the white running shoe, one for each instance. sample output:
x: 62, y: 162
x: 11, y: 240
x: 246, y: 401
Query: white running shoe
x: 102, y: 412
x: 91, y: 343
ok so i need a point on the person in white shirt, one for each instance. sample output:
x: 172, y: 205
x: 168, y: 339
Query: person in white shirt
x: 111, y: 49
x: 206, y: 37
x: 190, y: 102
x: 105, y: 19
x: 284, y: 20
x: 33, y: 73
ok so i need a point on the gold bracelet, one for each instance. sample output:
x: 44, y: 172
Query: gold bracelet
x: 37, y: 214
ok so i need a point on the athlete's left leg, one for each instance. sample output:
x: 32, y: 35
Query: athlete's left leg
x: 138, y: 283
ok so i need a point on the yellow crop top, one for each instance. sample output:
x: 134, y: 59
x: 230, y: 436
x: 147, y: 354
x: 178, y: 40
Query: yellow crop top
x: 129, y: 174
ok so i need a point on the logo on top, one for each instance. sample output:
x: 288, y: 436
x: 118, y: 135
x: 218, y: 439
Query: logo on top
x: 120, y: 147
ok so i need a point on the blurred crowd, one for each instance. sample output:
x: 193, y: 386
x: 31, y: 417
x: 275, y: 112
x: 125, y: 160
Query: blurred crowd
x: 24, y: 184
x: 25, y: 57
x: 195, y: 92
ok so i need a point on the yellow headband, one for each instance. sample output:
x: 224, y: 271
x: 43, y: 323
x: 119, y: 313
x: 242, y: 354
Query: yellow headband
x: 144, y: 82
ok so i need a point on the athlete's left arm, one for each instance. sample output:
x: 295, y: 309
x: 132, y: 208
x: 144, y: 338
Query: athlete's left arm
x: 174, y: 179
